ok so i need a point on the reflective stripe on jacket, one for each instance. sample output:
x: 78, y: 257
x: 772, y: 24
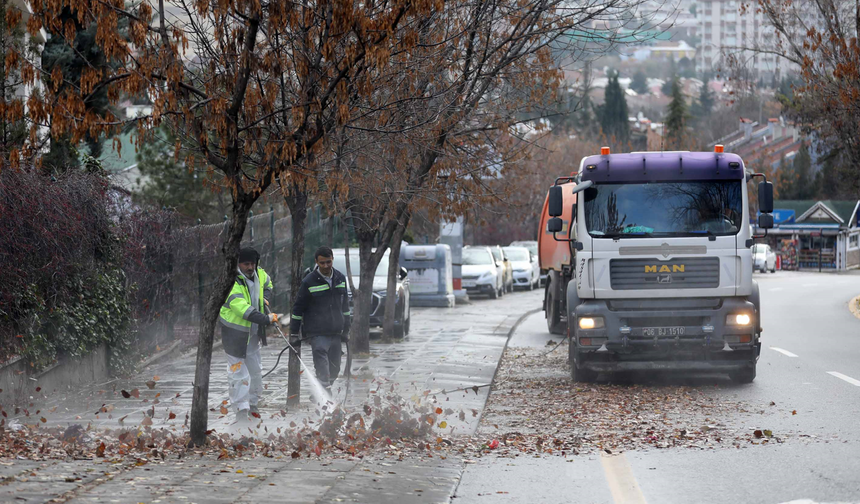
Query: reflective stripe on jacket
x: 321, y: 309
x: 237, y: 314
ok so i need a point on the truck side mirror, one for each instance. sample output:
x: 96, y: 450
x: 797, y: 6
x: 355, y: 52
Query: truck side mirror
x: 765, y: 198
x: 765, y: 221
x: 556, y: 200
x: 554, y: 225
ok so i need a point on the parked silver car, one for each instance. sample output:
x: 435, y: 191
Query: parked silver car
x: 764, y: 258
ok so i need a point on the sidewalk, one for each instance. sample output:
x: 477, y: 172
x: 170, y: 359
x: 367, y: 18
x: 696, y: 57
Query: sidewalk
x: 448, y: 348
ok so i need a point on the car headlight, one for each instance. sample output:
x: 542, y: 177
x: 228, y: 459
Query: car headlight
x: 591, y: 322
x: 486, y: 276
x: 738, y: 319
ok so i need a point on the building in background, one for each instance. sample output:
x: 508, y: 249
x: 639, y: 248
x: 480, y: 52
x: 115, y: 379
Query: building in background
x: 816, y: 234
x: 765, y: 143
x: 34, y: 45
x: 727, y: 26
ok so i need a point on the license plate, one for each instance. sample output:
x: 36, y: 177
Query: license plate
x: 663, y: 331
x: 468, y: 283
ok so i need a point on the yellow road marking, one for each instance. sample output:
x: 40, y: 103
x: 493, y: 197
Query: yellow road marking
x: 622, y: 484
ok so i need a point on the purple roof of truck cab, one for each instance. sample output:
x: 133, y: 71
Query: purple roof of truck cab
x: 662, y: 167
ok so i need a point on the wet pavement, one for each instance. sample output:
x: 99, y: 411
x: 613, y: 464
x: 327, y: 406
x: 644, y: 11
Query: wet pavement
x: 449, y: 349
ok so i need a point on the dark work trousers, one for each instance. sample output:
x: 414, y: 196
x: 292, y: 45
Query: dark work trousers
x: 327, y: 353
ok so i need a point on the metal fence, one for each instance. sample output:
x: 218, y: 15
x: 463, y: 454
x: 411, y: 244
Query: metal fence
x: 196, y: 258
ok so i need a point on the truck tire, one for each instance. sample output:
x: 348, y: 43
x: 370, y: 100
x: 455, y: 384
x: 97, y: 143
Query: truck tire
x: 745, y: 375
x: 578, y: 374
x: 553, y: 304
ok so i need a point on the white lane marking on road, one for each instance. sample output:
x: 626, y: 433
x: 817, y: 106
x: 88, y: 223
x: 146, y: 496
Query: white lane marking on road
x: 783, y: 352
x: 841, y: 376
x: 622, y: 483
x: 773, y: 289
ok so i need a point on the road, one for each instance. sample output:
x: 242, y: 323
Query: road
x: 807, y: 393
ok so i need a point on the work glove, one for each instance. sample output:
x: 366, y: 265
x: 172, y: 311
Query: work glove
x: 273, y: 317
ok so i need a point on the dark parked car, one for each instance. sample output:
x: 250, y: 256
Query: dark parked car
x: 402, y: 315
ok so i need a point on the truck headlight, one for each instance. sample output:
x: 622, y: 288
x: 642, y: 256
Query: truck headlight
x: 590, y: 322
x: 738, y: 319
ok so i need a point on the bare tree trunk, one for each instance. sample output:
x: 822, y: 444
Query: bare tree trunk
x: 297, y: 201
x: 328, y: 231
x: 363, y: 296
x: 391, y: 291
x: 226, y: 277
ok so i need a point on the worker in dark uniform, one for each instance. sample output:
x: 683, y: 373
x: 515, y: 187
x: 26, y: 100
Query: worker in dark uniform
x: 321, y: 312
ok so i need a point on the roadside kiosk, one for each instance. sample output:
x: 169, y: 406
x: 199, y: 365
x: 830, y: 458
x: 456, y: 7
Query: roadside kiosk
x: 430, y: 274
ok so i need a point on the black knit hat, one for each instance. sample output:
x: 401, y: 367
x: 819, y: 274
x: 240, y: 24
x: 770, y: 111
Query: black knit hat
x: 249, y: 255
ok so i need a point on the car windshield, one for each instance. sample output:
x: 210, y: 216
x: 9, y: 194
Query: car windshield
x: 340, y: 264
x: 664, y: 209
x: 517, y: 254
x: 477, y: 256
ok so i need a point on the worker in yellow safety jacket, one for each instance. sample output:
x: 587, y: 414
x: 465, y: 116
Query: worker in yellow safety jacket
x: 243, y: 320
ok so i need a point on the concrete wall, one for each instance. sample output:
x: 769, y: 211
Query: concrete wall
x: 18, y: 382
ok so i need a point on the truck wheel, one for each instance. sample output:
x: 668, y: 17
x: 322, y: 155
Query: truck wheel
x: 578, y: 374
x: 553, y: 313
x: 745, y: 375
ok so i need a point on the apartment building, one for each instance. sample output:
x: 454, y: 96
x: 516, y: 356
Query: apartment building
x: 732, y: 28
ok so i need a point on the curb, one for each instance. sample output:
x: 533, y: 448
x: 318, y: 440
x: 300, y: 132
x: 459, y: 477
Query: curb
x: 854, y: 307
x: 510, y: 333
x: 157, y: 357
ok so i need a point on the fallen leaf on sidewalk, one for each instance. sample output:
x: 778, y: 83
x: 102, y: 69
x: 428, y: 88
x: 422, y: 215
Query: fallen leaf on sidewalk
x: 146, y: 421
x: 125, y: 394
x: 150, y: 384
x: 224, y: 410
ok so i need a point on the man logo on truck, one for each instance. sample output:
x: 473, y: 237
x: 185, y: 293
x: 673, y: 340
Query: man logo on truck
x: 676, y: 268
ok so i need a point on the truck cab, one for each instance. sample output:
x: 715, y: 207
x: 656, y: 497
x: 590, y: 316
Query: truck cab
x: 659, y: 275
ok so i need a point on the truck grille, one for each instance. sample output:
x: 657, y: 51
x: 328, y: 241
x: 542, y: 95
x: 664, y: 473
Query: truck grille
x: 681, y: 273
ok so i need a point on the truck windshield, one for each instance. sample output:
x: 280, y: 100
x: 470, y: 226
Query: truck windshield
x: 664, y: 209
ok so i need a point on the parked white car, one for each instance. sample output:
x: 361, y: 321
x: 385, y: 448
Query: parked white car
x: 764, y: 258
x: 526, y: 271
x: 481, y: 274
